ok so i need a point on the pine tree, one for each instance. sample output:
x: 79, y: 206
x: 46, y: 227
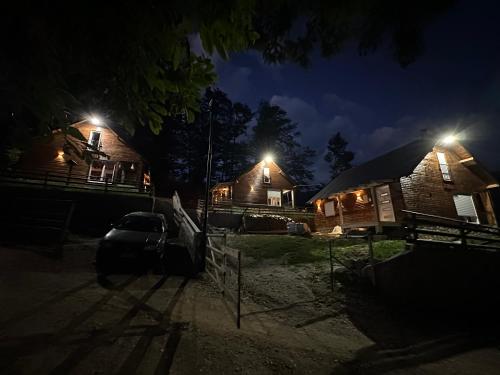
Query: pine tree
x: 275, y: 133
x: 338, y: 156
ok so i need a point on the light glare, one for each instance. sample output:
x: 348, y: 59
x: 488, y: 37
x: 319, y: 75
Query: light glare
x: 269, y: 158
x: 449, y: 139
x: 95, y: 120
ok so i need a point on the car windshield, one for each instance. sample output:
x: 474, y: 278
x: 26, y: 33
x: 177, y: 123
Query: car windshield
x: 140, y: 223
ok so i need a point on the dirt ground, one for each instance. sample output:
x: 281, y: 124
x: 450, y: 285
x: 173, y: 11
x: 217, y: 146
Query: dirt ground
x: 55, y: 318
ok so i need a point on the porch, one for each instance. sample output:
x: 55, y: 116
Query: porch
x: 366, y: 207
x: 98, y: 179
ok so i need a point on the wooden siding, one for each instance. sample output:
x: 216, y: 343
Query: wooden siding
x: 425, y: 190
x: 46, y: 154
x: 242, y: 188
x: 362, y: 214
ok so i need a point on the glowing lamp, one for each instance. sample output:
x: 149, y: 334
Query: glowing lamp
x: 60, y: 154
x: 268, y: 158
x: 94, y: 120
x: 449, y: 139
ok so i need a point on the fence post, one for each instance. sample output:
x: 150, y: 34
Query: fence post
x: 69, y: 174
x: 332, y: 278
x: 463, y: 237
x: 414, y: 226
x: 106, y: 184
x: 238, y: 306
x: 370, y: 255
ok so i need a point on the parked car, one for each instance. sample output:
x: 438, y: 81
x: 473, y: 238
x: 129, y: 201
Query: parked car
x: 138, y: 236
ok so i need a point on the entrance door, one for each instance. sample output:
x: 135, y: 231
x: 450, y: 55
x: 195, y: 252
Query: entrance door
x: 384, y: 203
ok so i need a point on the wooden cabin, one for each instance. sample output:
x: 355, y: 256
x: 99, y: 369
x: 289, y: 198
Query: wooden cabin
x: 265, y: 184
x: 437, y: 179
x: 102, y: 157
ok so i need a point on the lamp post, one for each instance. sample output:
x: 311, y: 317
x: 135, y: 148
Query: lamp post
x: 207, y: 188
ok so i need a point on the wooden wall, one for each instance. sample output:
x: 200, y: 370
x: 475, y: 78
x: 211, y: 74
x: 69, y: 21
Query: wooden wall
x: 242, y: 188
x: 362, y: 214
x: 45, y: 153
x: 425, y: 190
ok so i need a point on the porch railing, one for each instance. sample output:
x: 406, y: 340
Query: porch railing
x: 246, y: 208
x: 46, y: 179
x: 432, y: 229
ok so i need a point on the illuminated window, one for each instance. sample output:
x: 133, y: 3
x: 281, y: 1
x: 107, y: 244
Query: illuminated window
x: 267, y: 176
x: 94, y: 140
x: 274, y: 198
x: 101, y: 171
x: 443, y: 165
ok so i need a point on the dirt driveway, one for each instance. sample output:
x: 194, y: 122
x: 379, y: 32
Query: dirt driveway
x: 55, y: 318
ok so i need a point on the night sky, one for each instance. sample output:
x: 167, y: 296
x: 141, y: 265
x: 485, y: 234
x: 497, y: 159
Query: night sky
x: 376, y: 104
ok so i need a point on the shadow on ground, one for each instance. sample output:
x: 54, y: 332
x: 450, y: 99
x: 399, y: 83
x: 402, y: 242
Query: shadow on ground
x: 412, y: 335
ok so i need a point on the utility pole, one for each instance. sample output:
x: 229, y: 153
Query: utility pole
x: 207, y: 188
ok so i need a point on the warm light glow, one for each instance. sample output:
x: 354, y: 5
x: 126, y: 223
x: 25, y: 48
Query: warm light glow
x: 251, y: 187
x: 95, y: 120
x: 268, y: 158
x: 60, y: 154
x: 449, y: 139
x: 318, y: 205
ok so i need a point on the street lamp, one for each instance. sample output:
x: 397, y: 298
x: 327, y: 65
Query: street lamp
x: 207, y: 188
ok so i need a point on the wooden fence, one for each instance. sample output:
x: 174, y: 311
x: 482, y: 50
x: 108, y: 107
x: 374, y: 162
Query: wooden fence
x: 223, y: 265
x: 243, y: 208
x: 435, y: 230
x: 368, y: 238
x: 45, y: 179
x: 189, y: 233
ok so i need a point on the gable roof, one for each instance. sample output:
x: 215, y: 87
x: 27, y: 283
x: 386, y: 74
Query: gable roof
x: 281, y: 172
x: 390, y: 166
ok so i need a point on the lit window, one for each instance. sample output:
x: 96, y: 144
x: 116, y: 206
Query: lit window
x: 274, y: 198
x: 101, y: 171
x: 94, y: 140
x: 443, y: 165
x: 267, y: 176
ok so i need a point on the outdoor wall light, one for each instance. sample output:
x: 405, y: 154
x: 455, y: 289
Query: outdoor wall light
x: 94, y: 120
x: 449, y: 139
x: 268, y: 158
x: 60, y: 154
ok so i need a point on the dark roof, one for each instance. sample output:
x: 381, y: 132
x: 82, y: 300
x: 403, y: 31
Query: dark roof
x: 390, y: 166
x: 249, y: 169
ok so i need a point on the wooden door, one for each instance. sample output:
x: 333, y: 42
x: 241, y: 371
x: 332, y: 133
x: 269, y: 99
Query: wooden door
x: 384, y: 203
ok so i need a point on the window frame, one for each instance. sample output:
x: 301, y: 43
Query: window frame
x: 444, y: 167
x: 101, y: 180
x: 280, y: 197
x: 99, y: 143
x: 266, y: 179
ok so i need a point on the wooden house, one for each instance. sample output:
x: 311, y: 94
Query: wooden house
x: 101, y: 158
x: 442, y: 179
x: 265, y: 184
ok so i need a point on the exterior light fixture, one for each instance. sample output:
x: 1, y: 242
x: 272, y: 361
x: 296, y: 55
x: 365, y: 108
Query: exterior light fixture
x: 94, y: 120
x: 251, y: 188
x: 268, y: 158
x: 449, y: 139
x: 60, y: 154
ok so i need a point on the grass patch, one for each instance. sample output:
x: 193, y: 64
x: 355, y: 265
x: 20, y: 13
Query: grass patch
x: 296, y: 249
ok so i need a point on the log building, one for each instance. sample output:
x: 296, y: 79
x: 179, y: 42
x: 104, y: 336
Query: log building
x: 442, y: 179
